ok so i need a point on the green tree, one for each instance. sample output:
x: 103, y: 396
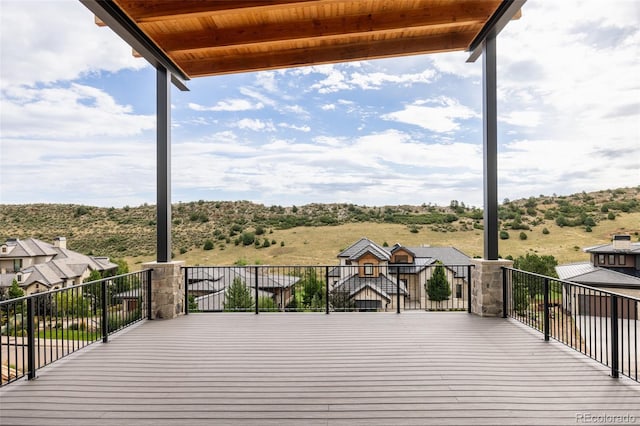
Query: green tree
x: 266, y: 304
x: 238, y: 297
x: 543, y: 265
x: 93, y: 276
x: 312, y: 286
x: 248, y: 238
x: 437, y: 286
x: 72, y: 302
x: 15, y: 291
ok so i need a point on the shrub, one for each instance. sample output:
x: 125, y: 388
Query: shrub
x: 523, y: 236
x: 248, y: 238
x: 545, y: 231
x: 611, y: 216
x: 504, y: 235
x: 208, y: 245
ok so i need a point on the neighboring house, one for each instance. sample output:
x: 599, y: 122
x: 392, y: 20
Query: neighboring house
x: 621, y: 255
x: 612, y: 267
x: 210, y: 285
x: 368, y: 275
x: 38, y: 266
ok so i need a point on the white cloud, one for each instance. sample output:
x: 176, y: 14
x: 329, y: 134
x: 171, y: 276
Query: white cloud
x: 375, y: 80
x: 255, y: 124
x: 254, y: 94
x: 304, y: 128
x: 229, y: 105
x: 48, y: 41
x: 76, y: 111
x: 444, y: 117
x: 328, y: 107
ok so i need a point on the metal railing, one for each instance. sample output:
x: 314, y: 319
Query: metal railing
x: 600, y: 324
x: 346, y: 288
x: 41, y: 328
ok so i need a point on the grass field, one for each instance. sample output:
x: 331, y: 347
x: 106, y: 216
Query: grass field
x: 320, y: 245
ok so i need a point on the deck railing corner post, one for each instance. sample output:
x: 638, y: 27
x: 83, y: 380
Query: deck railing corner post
x: 149, y: 294
x: 186, y: 290
x: 105, y: 311
x: 326, y: 290
x: 505, y: 293
x: 256, y: 290
x: 31, y: 338
x: 546, y: 309
x: 615, y: 355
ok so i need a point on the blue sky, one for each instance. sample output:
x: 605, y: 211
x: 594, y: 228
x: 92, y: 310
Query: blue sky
x: 77, y: 120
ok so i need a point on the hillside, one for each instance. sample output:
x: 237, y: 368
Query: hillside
x: 315, y: 233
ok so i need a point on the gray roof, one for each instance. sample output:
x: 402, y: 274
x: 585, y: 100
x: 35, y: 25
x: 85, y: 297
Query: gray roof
x: 360, y: 247
x: 446, y: 255
x: 381, y: 283
x: 608, y: 248
x: 65, y: 264
x: 217, y: 278
x: 28, y: 248
x: 596, y: 276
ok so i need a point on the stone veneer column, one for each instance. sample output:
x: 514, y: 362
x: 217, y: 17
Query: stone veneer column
x: 486, y: 286
x: 167, y: 289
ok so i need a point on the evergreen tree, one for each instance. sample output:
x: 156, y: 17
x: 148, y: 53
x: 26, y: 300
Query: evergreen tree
x: 15, y: 291
x: 437, y: 286
x: 312, y: 286
x: 238, y: 297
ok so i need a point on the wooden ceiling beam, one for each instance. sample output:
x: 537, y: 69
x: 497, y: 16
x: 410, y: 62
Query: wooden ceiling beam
x: 425, y: 18
x: 353, y: 51
x: 162, y: 10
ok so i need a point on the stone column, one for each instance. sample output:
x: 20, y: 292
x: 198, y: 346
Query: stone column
x: 486, y: 286
x: 167, y: 289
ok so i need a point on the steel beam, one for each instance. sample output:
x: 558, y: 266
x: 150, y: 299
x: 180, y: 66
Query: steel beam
x: 490, y: 148
x: 163, y: 159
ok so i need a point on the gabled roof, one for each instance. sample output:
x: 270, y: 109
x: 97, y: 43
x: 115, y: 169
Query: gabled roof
x: 29, y: 247
x: 382, y: 283
x: 595, y: 276
x: 446, y: 255
x: 362, y: 246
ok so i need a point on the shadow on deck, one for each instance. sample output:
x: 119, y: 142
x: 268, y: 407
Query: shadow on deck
x: 414, y: 368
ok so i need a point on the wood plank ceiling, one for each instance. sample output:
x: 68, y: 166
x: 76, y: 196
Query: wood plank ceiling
x: 211, y: 37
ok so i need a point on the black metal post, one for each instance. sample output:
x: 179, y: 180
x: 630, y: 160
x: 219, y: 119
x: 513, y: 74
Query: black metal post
x: 326, y: 290
x: 490, y: 145
x: 163, y: 160
x: 546, y: 309
x: 149, y: 295
x: 186, y: 291
x: 504, y: 292
x: 615, y: 356
x: 398, y: 290
x: 256, y: 282
x: 31, y: 339
x: 469, y: 289
x: 105, y: 312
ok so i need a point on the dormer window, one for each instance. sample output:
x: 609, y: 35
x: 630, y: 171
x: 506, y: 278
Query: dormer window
x: 3, y: 249
x: 19, y: 278
x: 368, y: 268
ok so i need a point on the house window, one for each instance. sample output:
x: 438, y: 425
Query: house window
x: 612, y: 259
x: 4, y: 249
x: 601, y: 259
x: 17, y: 265
x: 368, y: 268
x: 402, y: 258
x: 19, y: 278
x: 622, y: 260
x: 458, y: 291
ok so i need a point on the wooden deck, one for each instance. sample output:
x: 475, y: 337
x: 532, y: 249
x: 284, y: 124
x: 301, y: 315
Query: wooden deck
x: 316, y: 369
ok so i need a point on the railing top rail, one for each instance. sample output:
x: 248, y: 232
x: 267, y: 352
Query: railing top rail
x: 573, y: 283
x: 70, y: 287
x: 328, y: 266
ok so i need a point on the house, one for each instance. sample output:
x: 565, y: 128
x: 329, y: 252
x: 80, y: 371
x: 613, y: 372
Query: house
x: 612, y: 267
x: 210, y: 285
x: 621, y: 255
x: 39, y: 266
x: 370, y: 276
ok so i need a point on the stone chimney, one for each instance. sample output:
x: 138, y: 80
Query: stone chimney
x: 622, y: 242
x: 60, y: 242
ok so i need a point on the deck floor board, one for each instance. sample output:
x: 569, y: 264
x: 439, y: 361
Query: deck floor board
x: 316, y: 369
